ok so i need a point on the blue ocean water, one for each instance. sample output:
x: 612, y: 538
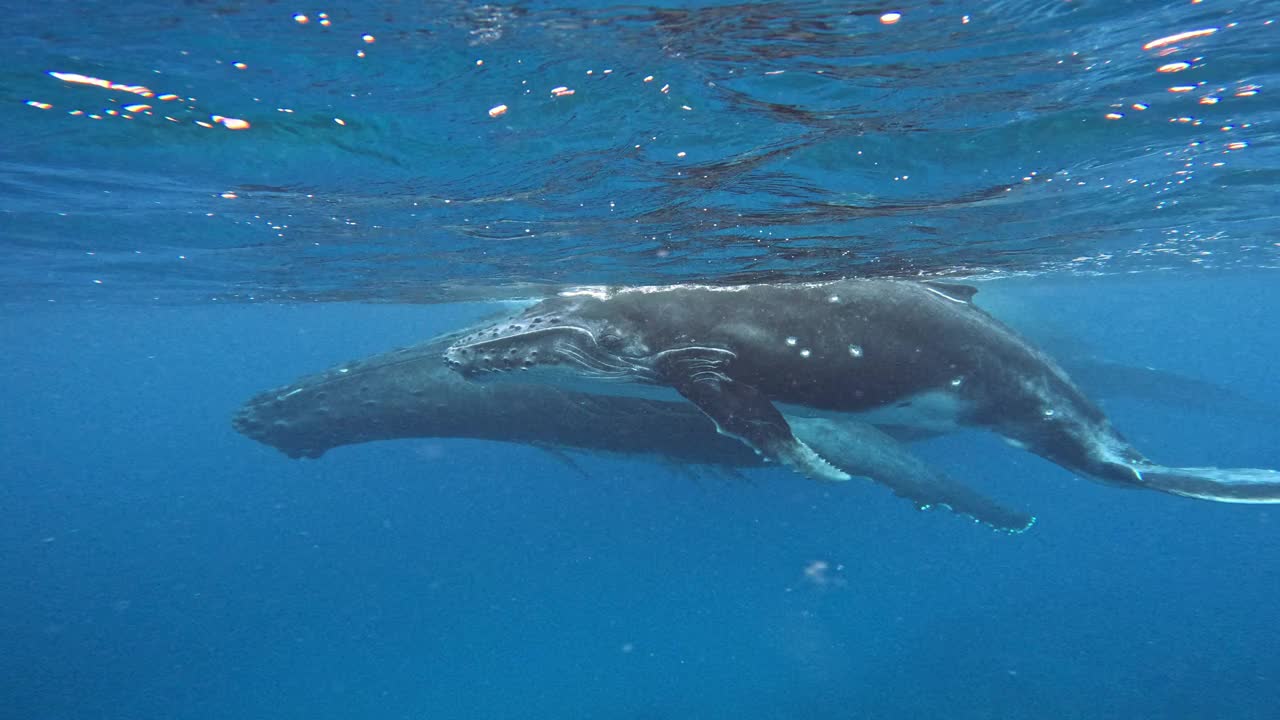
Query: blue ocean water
x: 201, y: 201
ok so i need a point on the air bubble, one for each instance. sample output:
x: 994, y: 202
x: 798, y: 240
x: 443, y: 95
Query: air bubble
x: 791, y: 341
x: 805, y: 353
x: 855, y: 351
x: 957, y: 382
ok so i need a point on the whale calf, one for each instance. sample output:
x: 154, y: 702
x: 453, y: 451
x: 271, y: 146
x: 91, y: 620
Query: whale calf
x: 893, y: 352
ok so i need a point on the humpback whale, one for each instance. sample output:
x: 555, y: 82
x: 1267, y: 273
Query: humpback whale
x: 409, y: 393
x: 893, y: 351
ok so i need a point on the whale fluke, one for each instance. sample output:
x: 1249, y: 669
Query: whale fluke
x: 1232, y: 485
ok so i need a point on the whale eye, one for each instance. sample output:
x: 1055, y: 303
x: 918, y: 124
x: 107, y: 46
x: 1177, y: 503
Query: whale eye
x: 610, y: 340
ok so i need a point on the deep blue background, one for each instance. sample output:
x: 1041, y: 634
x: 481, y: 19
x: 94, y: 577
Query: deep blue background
x: 154, y: 564
x: 158, y: 565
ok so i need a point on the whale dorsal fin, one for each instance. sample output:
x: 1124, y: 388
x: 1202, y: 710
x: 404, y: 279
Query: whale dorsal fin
x: 953, y: 291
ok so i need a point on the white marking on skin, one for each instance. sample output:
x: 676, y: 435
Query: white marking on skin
x: 602, y: 292
x: 805, y: 353
x: 649, y: 289
x: 720, y: 351
x: 292, y: 392
x: 599, y: 293
x: 945, y: 296
x: 855, y: 350
x: 791, y: 342
x: 1107, y: 448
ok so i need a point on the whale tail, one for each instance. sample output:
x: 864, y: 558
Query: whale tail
x: 1233, y: 485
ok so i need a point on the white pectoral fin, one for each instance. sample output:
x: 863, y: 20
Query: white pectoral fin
x: 860, y: 449
x: 805, y: 459
x: 740, y: 410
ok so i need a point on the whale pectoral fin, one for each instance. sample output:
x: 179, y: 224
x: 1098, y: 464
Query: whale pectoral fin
x: 861, y: 449
x: 742, y: 411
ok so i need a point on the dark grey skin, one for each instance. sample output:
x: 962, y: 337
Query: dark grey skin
x: 848, y: 347
x: 409, y: 393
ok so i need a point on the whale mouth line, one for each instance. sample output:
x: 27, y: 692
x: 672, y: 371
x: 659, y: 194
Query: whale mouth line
x: 599, y: 368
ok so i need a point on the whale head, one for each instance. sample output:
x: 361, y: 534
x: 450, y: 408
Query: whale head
x: 572, y: 337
